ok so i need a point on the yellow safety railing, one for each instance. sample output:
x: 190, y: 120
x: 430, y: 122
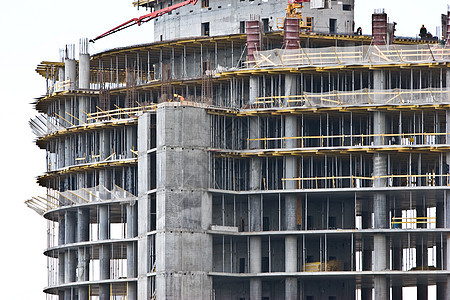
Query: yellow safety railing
x: 62, y: 86
x: 356, y: 139
x: 118, y: 113
x: 61, y: 122
x: 398, y: 221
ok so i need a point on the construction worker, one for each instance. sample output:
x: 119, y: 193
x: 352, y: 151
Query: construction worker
x: 423, y: 32
x: 358, y: 31
x: 177, y: 97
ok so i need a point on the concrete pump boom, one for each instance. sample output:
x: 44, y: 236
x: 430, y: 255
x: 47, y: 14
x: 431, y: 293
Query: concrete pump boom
x: 144, y: 19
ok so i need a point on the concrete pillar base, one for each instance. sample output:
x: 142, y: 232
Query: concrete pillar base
x: 255, y: 289
x: 68, y: 294
x: 291, y: 288
x: 381, y: 288
x: 104, y: 292
x: 132, y: 291
x: 83, y: 293
x: 61, y: 295
x: 105, y: 257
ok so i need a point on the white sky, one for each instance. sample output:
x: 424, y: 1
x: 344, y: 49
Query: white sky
x: 33, y: 31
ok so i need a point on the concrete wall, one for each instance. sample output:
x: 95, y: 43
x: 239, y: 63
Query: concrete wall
x: 225, y: 16
x: 183, y: 248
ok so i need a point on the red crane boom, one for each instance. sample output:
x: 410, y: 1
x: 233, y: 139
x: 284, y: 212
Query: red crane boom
x: 144, y: 18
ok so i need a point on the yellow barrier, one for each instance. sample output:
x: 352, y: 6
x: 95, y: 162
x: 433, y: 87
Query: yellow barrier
x: 331, y: 265
x: 397, y: 221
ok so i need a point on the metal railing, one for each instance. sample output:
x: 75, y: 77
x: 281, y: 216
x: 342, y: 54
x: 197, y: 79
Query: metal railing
x: 55, y: 199
x: 359, y: 97
x: 354, y: 181
x: 349, y: 140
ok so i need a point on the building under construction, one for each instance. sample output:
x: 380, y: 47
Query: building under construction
x: 247, y: 155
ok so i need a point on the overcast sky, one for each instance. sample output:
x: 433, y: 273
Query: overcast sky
x: 33, y: 31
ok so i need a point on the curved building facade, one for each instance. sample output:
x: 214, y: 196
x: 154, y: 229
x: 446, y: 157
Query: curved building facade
x: 185, y: 169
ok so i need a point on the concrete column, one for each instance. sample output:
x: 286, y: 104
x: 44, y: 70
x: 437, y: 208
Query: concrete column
x: 366, y: 288
x: 381, y: 283
x: 84, y: 78
x: 67, y: 154
x: 255, y: 267
x: 143, y: 246
x: 61, y: 230
x: 84, y: 65
x: 422, y: 255
x: 70, y: 71
x: 397, y: 291
x: 61, y: 242
x: 83, y: 225
x: 131, y: 250
x: 103, y: 222
x: 132, y: 291
x: 83, y: 252
x: 70, y: 255
x: 61, y: 74
x: 60, y: 295
x: 255, y: 203
x: 105, y: 150
x: 105, y: 250
x: 104, y: 291
x: 71, y: 266
x: 445, y: 287
x: 131, y: 138
x: 253, y: 89
x: 441, y: 287
x: 290, y: 87
x: 68, y: 294
x: 61, y: 267
x: 83, y: 293
x: 290, y: 243
x: 291, y: 266
x: 380, y: 207
x: 131, y: 247
x: 255, y: 247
